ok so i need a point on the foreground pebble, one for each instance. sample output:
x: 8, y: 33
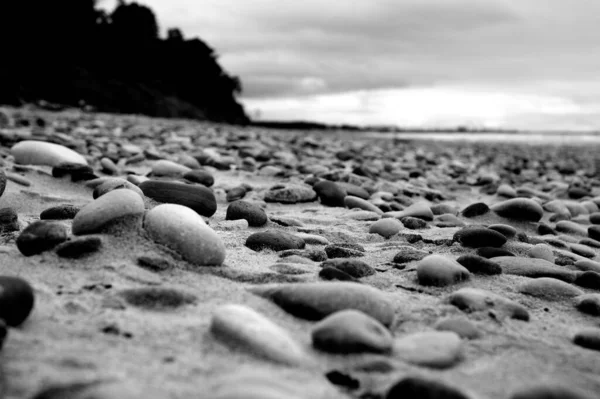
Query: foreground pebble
x: 184, y: 231
x: 33, y: 152
x: 106, y: 209
x: 197, y: 197
x: 243, y: 327
x: 16, y: 300
x: 440, y: 271
x: 41, y: 236
x: 274, y: 240
x: 351, y: 331
x: 315, y: 301
x: 439, y: 349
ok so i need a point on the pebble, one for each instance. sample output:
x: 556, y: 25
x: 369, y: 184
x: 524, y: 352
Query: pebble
x: 437, y: 349
x: 448, y: 220
x: 582, y: 250
x: 550, y: 390
x: 16, y: 300
x: 41, y: 236
x: 519, y: 209
x: 588, y: 265
x: 236, y: 193
x: 355, y: 202
x: 316, y: 255
x: 115, y: 183
x: 588, y: 279
x: 479, y: 265
x: 184, y: 231
x: 594, y: 232
x: 504, y: 190
x: 588, y: 303
x: 330, y: 194
x: 157, y: 298
x: 566, y: 226
x: 549, y: 289
x: 338, y: 251
x: 460, y: 325
x: 108, y: 166
x: 255, y: 215
x: 541, y: 251
x: 489, y: 252
x: 354, y: 190
x: 200, y: 176
x: 79, y: 247
x: 409, y: 254
x: 166, y: 168
x: 595, y: 218
x: 413, y: 223
x: 504, y: 229
x: 315, y: 301
x: 477, y: 300
x: 332, y: 273
x: 477, y: 237
x: 313, y: 239
x: 418, y: 210
x: 9, y: 220
x: 532, y: 267
x: 154, y: 263
x: 33, y: 152
x: 15, y: 178
x: 437, y: 270
x: 112, y: 206
x: 242, y: 327
x: 77, y: 171
x: 386, y: 227
x: 352, y: 267
x: 60, y: 212
x: 351, y: 331
x: 197, y: 197
x: 2, y: 181
x: 275, y: 240
x: 290, y: 194
x: 476, y: 209
x: 588, y: 338
x: 417, y: 387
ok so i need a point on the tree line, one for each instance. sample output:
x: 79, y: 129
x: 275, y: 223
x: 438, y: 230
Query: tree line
x: 69, y: 51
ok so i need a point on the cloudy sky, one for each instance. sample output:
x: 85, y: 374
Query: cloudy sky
x: 531, y: 64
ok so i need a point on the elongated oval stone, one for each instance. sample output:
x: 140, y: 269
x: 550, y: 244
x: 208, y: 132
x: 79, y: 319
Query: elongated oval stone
x: 245, y: 328
x: 111, y: 206
x: 33, y: 152
x: 183, y: 230
x: 199, y: 198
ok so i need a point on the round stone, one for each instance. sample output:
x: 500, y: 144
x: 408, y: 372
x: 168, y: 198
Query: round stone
x: 477, y: 300
x: 477, y: 237
x: 594, y: 232
x: 290, y: 194
x: 59, y: 212
x: 588, y: 338
x: 41, y: 236
x: 417, y: 387
x: 184, y: 231
x: 479, y: 265
x: 353, y: 267
x: 519, y: 209
x: 115, y: 183
x: 504, y: 229
x: 355, y: 202
x: 255, y: 215
x: 9, y: 220
x: 16, y: 300
x: 588, y: 303
x: 330, y: 193
x: 460, y: 325
x: 275, y: 240
x: 197, y: 197
x: 437, y: 270
x: 33, y: 152
x: 386, y: 227
x: 437, y: 349
x: 242, y: 327
x: 476, y: 209
x: 201, y: 177
x: 79, y: 247
x: 315, y: 301
x: 108, y: 208
x: 167, y: 168
x: 541, y: 251
x: 549, y: 289
x: 351, y: 331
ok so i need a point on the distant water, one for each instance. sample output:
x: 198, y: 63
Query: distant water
x: 549, y: 138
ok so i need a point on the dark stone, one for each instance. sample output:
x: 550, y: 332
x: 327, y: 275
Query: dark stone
x: 590, y: 242
x: 344, y: 380
x: 77, y: 171
x: 524, y: 209
x: 331, y: 273
x: 275, y: 240
x: 353, y: 267
x: 413, y: 223
x: 578, y: 192
x: 79, y: 247
x: 408, y: 254
x: 236, y: 193
x: 330, y: 193
x: 2, y: 182
x: 504, y: 229
x: 338, y: 251
x: 544, y: 229
x: 316, y: 255
x: 588, y: 338
x: 594, y: 232
x: 255, y: 215
x: 16, y: 300
x: 154, y: 264
x: 476, y: 209
x: 479, y: 265
x: 60, y: 212
x: 9, y: 220
x: 489, y: 252
x: 3, y: 333
x: 41, y: 236
x: 199, y: 198
x: 477, y: 237
x: 414, y: 387
x: 157, y: 298
x: 200, y: 177
x: 588, y: 279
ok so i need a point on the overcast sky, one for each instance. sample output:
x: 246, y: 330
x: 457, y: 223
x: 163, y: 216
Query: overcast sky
x: 508, y: 63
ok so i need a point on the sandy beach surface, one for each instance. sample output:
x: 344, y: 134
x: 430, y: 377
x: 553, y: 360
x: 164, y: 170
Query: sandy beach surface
x: 134, y: 298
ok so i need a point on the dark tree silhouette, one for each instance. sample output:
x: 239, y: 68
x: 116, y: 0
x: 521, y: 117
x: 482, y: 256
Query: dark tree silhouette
x: 65, y: 51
